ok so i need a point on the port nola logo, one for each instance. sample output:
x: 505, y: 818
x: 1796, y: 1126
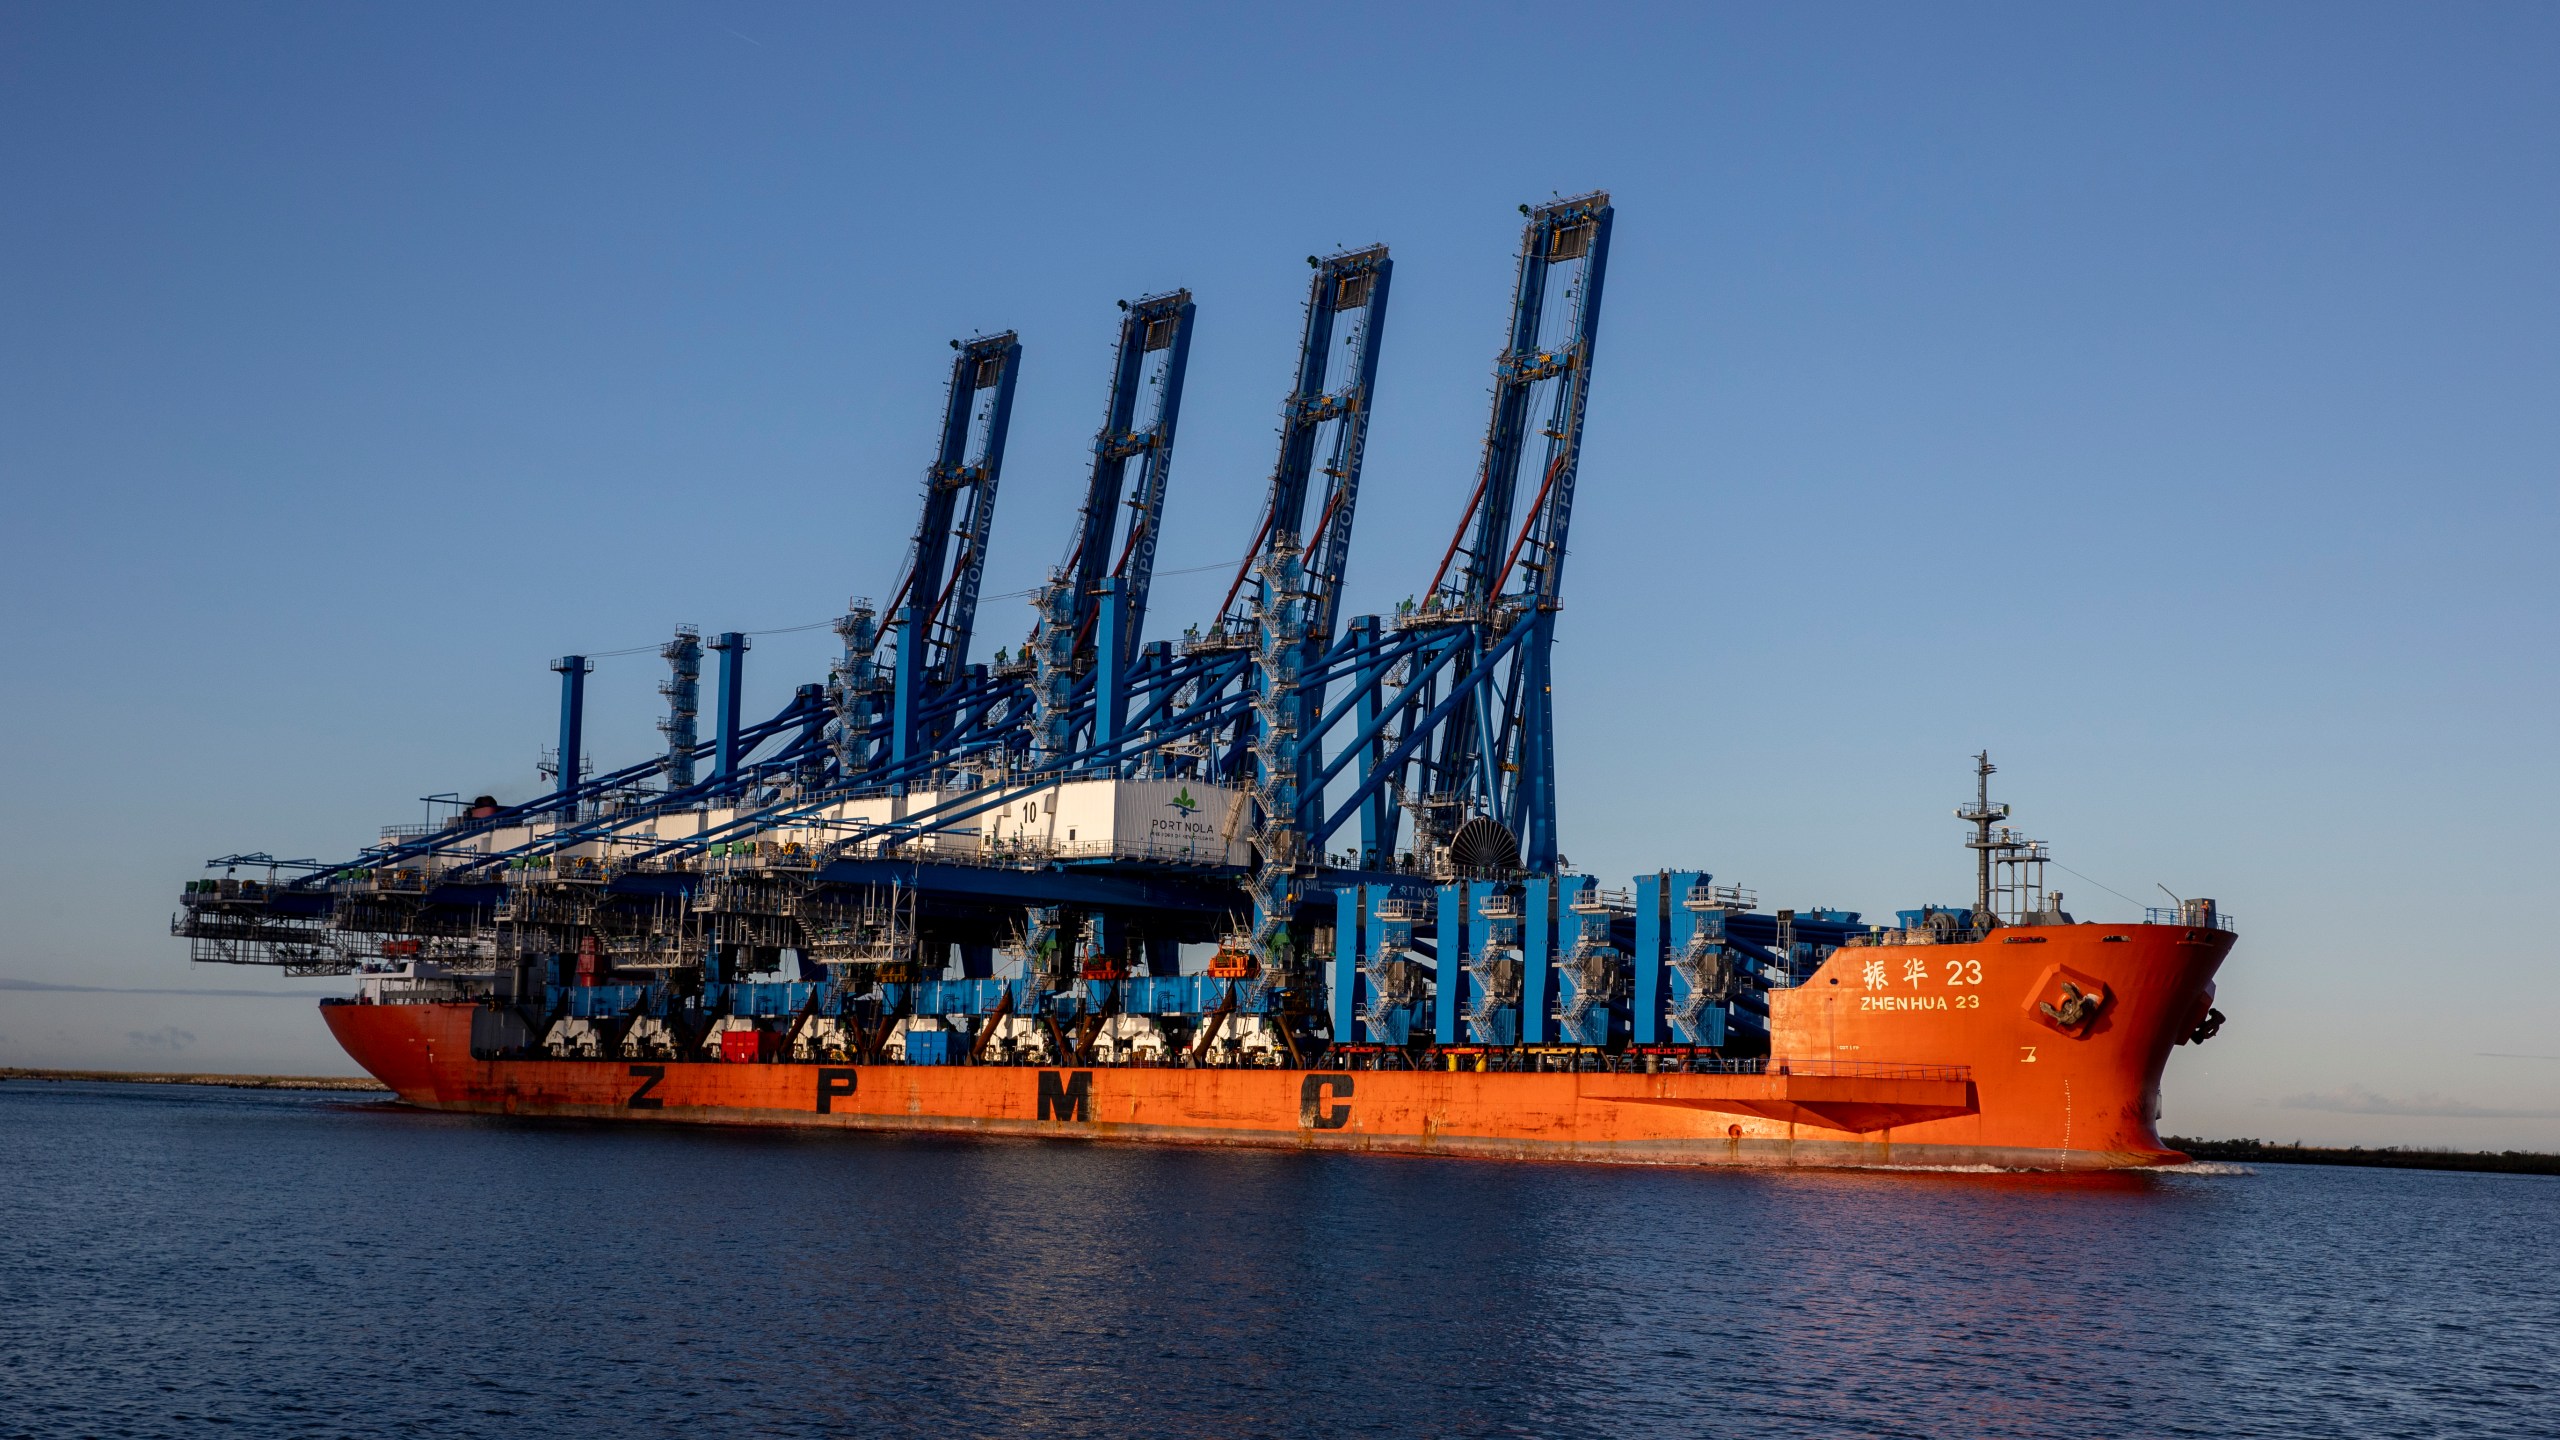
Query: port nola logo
x: 1184, y: 826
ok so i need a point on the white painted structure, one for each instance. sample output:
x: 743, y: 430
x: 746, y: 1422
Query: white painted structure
x: 1174, y: 820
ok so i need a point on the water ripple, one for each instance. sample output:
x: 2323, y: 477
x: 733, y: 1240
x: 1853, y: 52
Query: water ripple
x: 185, y: 1260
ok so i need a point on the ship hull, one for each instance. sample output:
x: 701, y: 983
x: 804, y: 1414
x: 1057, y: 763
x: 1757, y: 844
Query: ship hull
x: 1964, y: 1067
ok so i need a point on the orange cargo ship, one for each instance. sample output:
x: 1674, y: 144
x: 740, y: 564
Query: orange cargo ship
x: 2033, y: 1046
x: 931, y: 894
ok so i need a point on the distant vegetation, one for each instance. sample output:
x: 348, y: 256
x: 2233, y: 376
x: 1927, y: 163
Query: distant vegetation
x: 234, y: 1082
x: 2261, y: 1152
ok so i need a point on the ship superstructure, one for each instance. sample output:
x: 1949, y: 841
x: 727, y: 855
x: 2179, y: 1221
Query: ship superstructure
x: 1293, y: 878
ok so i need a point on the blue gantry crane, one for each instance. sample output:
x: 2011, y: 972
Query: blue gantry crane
x: 935, y: 607
x: 1495, y: 751
x: 1092, y: 611
x: 1355, y: 814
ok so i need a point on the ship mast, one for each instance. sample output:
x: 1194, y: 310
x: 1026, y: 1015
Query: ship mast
x: 1981, y: 817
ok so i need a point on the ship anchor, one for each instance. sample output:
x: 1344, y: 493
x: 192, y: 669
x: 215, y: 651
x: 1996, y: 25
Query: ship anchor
x: 2078, y: 1007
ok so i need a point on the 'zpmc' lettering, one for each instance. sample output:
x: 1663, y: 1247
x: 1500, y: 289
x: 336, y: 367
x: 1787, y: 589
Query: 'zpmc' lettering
x: 1316, y: 1095
x: 833, y: 1085
x: 1066, y: 1097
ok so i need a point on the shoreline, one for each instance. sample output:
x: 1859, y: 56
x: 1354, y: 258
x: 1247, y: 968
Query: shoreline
x: 232, y: 1082
x: 2261, y: 1152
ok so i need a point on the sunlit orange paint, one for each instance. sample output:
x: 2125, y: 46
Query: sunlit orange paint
x: 1956, y: 1062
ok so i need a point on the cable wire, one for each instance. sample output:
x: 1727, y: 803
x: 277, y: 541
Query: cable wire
x: 826, y: 623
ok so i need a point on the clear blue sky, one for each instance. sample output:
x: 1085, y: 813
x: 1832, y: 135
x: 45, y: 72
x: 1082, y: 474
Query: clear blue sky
x: 2160, y: 397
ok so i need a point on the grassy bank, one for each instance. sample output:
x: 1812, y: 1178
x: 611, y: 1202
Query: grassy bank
x: 235, y: 1082
x: 2261, y: 1152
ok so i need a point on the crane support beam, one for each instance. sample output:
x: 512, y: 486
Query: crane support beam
x: 731, y: 647
x: 938, y: 605
x: 1146, y: 376
x: 1110, y: 563
x: 1347, y: 296
x: 573, y: 670
x: 1495, y: 747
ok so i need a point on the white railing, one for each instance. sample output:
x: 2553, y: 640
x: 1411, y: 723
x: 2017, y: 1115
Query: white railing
x: 2194, y: 917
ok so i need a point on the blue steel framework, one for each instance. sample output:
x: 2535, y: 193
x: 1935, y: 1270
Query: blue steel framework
x: 1092, y: 612
x: 683, y: 691
x: 1495, y: 751
x: 936, y: 604
x: 1159, y: 326
x: 1468, y: 937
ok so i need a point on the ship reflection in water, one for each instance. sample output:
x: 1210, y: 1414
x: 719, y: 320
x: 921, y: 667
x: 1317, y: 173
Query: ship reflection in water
x: 291, y: 1264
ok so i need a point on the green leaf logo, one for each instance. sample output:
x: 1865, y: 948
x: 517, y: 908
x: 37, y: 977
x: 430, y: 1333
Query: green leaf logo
x: 1183, y: 802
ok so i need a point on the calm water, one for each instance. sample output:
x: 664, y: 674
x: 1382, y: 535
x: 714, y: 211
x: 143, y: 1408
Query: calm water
x: 184, y: 1262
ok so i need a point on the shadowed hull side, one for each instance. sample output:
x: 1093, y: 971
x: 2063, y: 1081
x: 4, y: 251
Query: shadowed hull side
x: 1969, y: 1090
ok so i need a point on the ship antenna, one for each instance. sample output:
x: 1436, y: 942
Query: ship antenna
x: 1981, y: 817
